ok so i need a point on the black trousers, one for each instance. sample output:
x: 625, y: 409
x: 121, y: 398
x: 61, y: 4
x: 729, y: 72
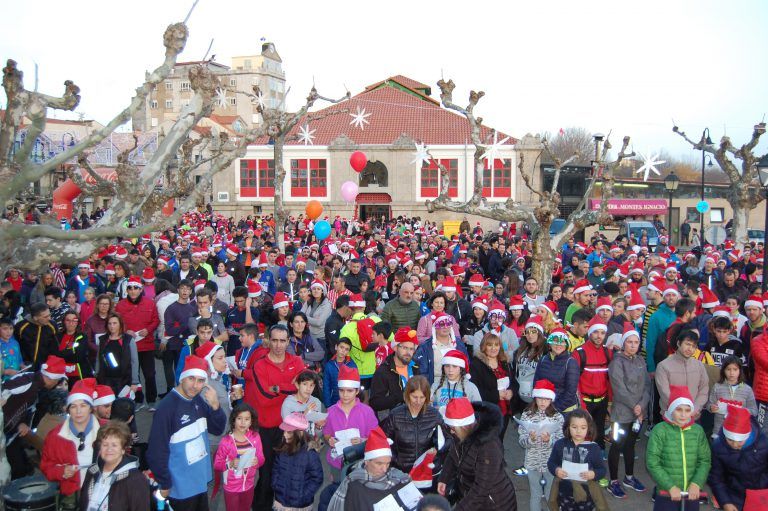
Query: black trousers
x: 147, y: 364
x: 170, y: 360
x: 623, y: 443
x: 196, y: 503
x: 599, y: 411
x: 17, y: 459
x: 263, y: 496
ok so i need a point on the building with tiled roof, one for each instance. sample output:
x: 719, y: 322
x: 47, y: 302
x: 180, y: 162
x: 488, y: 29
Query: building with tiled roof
x: 397, y: 113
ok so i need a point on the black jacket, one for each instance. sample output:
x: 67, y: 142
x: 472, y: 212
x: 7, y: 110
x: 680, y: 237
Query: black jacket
x: 387, y: 387
x: 411, y: 436
x: 77, y: 353
x: 332, y: 330
x: 477, y: 465
x: 115, y: 372
x: 484, y: 378
x: 129, y: 490
x: 36, y: 342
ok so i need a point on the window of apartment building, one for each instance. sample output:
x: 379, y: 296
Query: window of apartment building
x: 168, y: 85
x: 309, y: 177
x: 233, y: 101
x: 154, y: 122
x: 185, y: 87
x: 717, y: 215
x: 168, y: 103
x: 257, y: 178
x: 153, y: 104
x: 497, y: 182
x: 248, y: 64
x: 233, y: 82
x: 430, y: 178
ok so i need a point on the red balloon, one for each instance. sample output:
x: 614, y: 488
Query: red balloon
x: 358, y: 160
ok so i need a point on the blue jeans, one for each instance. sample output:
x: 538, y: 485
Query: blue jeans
x: 534, y: 482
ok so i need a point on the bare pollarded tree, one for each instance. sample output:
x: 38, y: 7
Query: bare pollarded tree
x: 540, y: 215
x: 744, y: 194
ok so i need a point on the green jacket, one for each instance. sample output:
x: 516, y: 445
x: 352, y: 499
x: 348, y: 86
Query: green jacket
x: 678, y: 457
x: 365, y: 360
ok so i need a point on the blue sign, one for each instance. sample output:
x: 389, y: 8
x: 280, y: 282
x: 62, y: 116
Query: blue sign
x: 702, y: 206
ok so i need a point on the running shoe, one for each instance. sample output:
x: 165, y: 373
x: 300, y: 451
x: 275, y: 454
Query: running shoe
x: 634, y: 483
x: 616, y: 490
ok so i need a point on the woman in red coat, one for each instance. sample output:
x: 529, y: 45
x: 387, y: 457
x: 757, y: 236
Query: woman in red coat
x: 68, y: 449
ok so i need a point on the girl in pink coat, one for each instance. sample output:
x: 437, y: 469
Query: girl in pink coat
x: 243, y: 436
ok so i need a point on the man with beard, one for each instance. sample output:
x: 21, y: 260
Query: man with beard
x: 391, y: 376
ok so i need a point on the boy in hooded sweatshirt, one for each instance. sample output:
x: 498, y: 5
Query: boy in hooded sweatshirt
x: 678, y: 456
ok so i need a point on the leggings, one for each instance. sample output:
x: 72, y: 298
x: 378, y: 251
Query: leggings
x: 239, y: 501
x: 624, y: 444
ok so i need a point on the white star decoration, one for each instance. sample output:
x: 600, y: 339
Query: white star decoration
x: 306, y: 135
x: 221, y: 97
x: 422, y: 154
x: 492, y: 150
x: 359, y: 118
x: 649, y: 164
x: 261, y: 101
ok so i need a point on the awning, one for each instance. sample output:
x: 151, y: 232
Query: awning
x: 373, y: 198
x: 627, y: 207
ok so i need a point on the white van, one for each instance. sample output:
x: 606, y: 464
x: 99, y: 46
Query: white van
x: 637, y: 228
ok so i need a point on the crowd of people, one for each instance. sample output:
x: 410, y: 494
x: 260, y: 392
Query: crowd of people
x: 402, y: 356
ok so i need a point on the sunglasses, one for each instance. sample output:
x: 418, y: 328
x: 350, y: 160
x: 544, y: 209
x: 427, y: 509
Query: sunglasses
x: 134, y: 287
x: 81, y: 437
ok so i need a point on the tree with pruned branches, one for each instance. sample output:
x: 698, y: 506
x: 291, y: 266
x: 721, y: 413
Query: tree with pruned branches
x: 744, y: 193
x: 540, y: 215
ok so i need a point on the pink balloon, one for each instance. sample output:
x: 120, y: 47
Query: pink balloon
x: 349, y: 191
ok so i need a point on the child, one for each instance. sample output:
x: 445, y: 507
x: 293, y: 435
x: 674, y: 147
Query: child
x: 303, y: 401
x: 678, y: 456
x: 731, y: 389
x: 9, y: 349
x: 297, y: 473
x: 454, y: 381
x: 243, y: 435
x: 331, y: 371
x: 577, y: 446
x: 538, y: 445
x: 381, y: 334
x: 204, y: 334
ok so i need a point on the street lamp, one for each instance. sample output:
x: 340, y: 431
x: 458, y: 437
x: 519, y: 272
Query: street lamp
x: 671, y: 182
x: 762, y: 172
x: 705, y: 141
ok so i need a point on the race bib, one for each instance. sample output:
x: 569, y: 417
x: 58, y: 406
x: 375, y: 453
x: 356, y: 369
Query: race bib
x: 195, y: 450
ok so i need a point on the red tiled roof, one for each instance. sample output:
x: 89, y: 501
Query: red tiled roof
x: 393, y: 112
x: 224, y: 120
x: 373, y: 198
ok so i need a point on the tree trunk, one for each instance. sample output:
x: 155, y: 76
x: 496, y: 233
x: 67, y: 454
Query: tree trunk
x: 543, y: 259
x: 740, y: 224
x: 280, y: 215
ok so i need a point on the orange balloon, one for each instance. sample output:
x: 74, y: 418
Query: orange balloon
x: 314, y: 209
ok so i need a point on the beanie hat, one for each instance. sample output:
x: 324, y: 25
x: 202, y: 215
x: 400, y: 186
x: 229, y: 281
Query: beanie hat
x: 459, y: 412
x: 84, y: 390
x: 421, y: 473
x: 194, y: 366
x: 708, y: 298
x: 104, y: 395
x: 206, y: 352
x: 280, y: 300
x: 516, y: 303
x: 595, y: 324
x: 456, y: 358
x: 349, y: 378
x: 678, y: 395
x: 54, y: 368
x: 254, y: 289
x: 406, y: 334
x: 377, y: 444
x: 544, y: 389
x: 737, y: 425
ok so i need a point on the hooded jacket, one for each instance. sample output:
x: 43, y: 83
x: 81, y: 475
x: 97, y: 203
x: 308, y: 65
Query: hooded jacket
x: 478, y: 467
x: 226, y: 452
x: 128, y: 491
x: 678, y: 456
x: 631, y: 386
x: 484, y: 378
x: 387, y: 386
x: 411, y: 436
x: 760, y: 359
x: 563, y: 371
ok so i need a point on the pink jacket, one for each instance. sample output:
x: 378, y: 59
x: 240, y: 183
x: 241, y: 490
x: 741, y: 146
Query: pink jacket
x: 226, y: 452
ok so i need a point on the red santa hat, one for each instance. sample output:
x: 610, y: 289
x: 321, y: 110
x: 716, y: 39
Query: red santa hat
x: 104, y: 395
x: 476, y: 280
x: 377, y: 445
x: 254, y: 289
x: 110, y: 269
x: 233, y: 250
x: 754, y: 301
x: 721, y: 311
x: 349, y: 378
x: 516, y: 303
x: 194, y: 366
x: 678, y: 395
x: 535, y: 322
x: 406, y: 334
x: 629, y: 331
x: 604, y: 302
x: 83, y: 390
x: 442, y: 320
x: 544, y: 389
x: 317, y: 283
x: 206, y: 351
x: 497, y: 308
x: 551, y: 307
x: 638, y: 267
x: 708, y: 298
x: 148, y: 275
x: 263, y: 263
x: 480, y: 302
x: 459, y: 412
x: 635, y: 300
x: 134, y: 281
x: 280, y: 300
x: 85, y: 265
x: 658, y: 284
x: 199, y: 284
x: 121, y: 253
x: 582, y: 286
x: 671, y: 289
x: 671, y: 266
x: 595, y: 324
x: 765, y: 299
x: 54, y: 368
x: 737, y: 425
x: 456, y: 358
x: 448, y: 284
x: 160, y: 260
x: 457, y: 271
x: 356, y: 301
x: 421, y: 473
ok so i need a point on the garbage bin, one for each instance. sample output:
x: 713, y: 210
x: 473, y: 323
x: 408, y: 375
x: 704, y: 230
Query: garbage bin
x: 451, y: 227
x: 33, y: 493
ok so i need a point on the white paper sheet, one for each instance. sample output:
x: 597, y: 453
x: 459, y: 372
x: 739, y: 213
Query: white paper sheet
x: 538, y: 427
x: 503, y: 383
x: 338, y: 448
x: 574, y: 469
x: 388, y: 503
x: 347, y: 434
x: 245, y: 461
x: 410, y: 495
x: 231, y: 362
x: 722, y: 408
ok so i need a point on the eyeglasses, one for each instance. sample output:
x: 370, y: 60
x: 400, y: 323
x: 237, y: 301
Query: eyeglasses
x: 81, y: 437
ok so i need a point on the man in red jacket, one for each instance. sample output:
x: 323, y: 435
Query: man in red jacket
x: 759, y: 352
x: 266, y: 387
x: 594, y: 384
x: 139, y: 314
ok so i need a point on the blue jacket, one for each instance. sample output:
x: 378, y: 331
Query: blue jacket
x: 425, y: 358
x: 563, y: 372
x: 734, y: 471
x: 296, y: 478
x: 179, y: 453
x: 268, y: 281
x: 331, y: 381
x: 657, y: 325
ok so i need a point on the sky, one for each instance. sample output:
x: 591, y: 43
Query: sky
x: 628, y: 68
